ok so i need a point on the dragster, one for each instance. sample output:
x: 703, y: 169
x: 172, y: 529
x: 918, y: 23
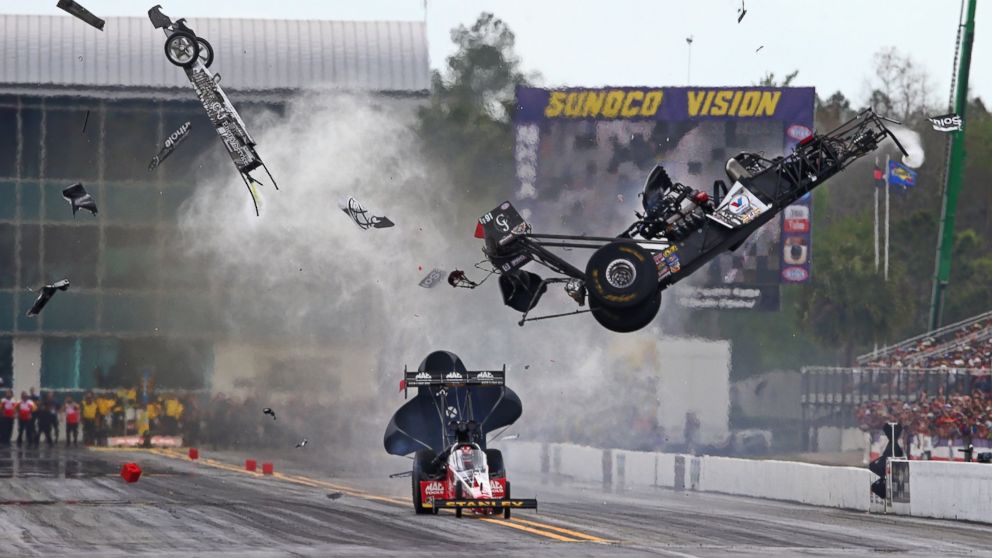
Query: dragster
x: 445, y: 428
x: 195, y: 55
x: 679, y: 231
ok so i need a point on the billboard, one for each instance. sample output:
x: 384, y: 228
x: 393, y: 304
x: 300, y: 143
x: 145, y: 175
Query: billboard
x: 582, y: 156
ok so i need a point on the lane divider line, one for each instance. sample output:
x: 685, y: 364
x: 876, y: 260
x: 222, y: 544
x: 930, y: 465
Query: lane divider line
x: 524, y: 525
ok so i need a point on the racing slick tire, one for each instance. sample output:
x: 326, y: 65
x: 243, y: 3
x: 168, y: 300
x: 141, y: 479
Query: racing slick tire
x: 506, y: 496
x: 625, y: 320
x: 621, y: 275
x: 421, y: 463
x: 458, y: 496
x: 182, y: 49
x: 206, y: 53
x: 494, y: 458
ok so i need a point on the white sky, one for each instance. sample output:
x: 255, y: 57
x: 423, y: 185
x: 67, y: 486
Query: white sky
x: 642, y: 42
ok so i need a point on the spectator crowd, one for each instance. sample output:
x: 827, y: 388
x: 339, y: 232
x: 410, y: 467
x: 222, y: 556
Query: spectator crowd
x: 969, y: 347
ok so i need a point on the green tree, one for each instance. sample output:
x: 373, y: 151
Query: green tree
x: 847, y: 304
x: 466, y: 128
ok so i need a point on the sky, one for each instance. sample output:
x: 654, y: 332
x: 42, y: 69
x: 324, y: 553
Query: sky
x: 642, y: 42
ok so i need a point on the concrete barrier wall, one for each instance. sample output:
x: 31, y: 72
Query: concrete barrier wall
x: 581, y: 463
x: 951, y: 490
x: 819, y: 485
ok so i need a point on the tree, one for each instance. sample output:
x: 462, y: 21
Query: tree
x: 900, y: 88
x: 769, y: 80
x: 466, y: 128
x: 847, y: 304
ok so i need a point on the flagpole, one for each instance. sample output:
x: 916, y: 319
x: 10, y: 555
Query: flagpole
x: 875, y: 184
x: 886, y: 272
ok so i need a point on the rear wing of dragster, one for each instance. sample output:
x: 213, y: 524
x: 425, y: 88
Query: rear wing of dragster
x: 470, y: 378
x: 484, y: 504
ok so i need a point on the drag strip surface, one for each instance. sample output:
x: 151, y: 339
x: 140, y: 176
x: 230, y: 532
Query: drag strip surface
x: 72, y: 501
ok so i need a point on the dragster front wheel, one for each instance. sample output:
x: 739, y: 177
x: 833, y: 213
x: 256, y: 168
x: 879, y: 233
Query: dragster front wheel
x: 206, y: 54
x: 625, y: 320
x: 621, y: 275
x: 182, y: 49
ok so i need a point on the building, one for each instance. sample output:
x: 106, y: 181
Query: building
x: 81, y: 105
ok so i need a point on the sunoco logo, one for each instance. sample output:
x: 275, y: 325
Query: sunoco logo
x: 795, y: 274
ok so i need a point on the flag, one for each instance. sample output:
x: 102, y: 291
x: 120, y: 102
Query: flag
x: 878, y: 175
x: 901, y: 175
x: 946, y: 122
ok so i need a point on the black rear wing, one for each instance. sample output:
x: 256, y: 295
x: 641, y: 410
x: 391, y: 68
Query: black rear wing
x: 486, y: 378
x: 469, y: 503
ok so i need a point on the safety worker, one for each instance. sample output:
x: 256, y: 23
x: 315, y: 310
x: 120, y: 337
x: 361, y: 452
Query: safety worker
x: 105, y: 406
x: 8, y: 411
x: 173, y: 413
x: 25, y: 419
x: 154, y: 411
x: 47, y: 418
x: 90, y: 417
x: 72, y: 416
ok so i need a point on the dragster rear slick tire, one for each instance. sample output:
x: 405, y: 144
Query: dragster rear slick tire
x: 421, y: 461
x: 458, y: 496
x: 621, y: 275
x: 625, y: 320
x: 506, y: 496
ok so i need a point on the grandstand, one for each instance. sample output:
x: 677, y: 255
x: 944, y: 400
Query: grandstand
x: 939, y: 385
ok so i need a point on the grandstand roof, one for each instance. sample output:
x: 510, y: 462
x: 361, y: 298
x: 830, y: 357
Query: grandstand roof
x: 250, y: 54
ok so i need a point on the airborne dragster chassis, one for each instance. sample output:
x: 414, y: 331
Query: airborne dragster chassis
x: 680, y: 230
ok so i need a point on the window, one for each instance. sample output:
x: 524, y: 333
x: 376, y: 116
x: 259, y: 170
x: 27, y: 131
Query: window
x: 70, y: 311
x: 8, y: 142
x: 8, y: 269
x: 131, y: 203
x: 72, y: 252
x: 71, y: 154
x: 31, y: 146
x: 30, y: 203
x: 24, y: 300
x: 129, y: 312
x: 129, y: 258
x: 8, y: 193
x: 6, y: 316
x: 30, y: 256
x: 131, y: 141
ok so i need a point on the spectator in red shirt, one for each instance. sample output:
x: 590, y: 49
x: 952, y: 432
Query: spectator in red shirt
x: 8, y: 410
x: 71, y: 421
x: 25, y: 420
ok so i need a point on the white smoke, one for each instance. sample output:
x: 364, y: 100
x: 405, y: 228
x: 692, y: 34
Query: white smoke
x: 913, y: 144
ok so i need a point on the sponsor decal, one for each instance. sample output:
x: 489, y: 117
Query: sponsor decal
x: 739, y: 208
x: 795, y: 274
x: 485, y: 377
x: 422, y: 376
x: 484, y: 504
x: 795, y: 251
x: 501, y: 223
x: 946, y: 122
x: 498, y: 489
x: 505, y: 206
x: 607, y: 103
x: 796, y: 219
x: 731, y: 102
x: 667, y: 261
x: 434, y: 489
x: 453, y: 376
x: 485, y: 219
x: 432, y: 278
x: 798, y: 132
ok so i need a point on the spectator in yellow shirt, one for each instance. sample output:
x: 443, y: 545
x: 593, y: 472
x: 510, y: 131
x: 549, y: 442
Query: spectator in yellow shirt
x: 90, y: 414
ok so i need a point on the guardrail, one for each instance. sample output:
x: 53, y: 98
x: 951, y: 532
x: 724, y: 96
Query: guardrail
x: 931, y: 489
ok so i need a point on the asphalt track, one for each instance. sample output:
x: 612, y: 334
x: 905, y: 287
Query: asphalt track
x: 72, y: 501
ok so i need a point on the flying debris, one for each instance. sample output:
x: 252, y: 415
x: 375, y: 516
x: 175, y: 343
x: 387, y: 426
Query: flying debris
x: 171, y: 143
x: 268, y: 411
x: 82, y: 13
x: 354, y: 209
x: 457, y: 279
x: 303, y: 443
x: 79, y: 198
x: 46, y: 294
x: 195, y: 55
x: 335, y: 495
x: 946, y: 122
x: 741, y: 11
x: 759, y: 48
x: 432, y: 278
x: 619, y: 198
x: 86, y: 121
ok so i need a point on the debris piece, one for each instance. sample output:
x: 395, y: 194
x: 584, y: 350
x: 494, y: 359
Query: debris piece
x: 79, y: 198
x: 741, y: 11
x: 46, y: 293
x: 250, y: 465
x: 432, y: 279
x: 303, y: 443
x: 194, y: 453
x: 86, y: 120
x: 171, y: 143
x: 759, y: 48
x: 267, y: 469
x: 354, y: 209
x: 268, y: 411
x: 335, y: 495
x: 458, y: 279
x: 79, y: 12
x: 130, y: 472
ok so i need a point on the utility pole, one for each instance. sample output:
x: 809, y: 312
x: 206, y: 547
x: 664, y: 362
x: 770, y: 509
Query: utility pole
x: 954, y: 173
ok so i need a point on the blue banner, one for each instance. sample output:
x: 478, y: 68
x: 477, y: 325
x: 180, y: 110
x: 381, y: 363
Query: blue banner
x: 901, y: 175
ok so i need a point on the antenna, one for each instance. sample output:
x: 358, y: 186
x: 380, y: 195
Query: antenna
x: 688, y: 77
